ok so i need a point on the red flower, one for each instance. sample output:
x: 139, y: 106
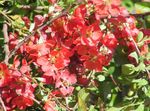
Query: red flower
x: 13, y: 40
x: 50, y: 106
x: 110, y: 41
x: 91, y: 35
x: 92, y: 60
x: 52, y: 1
x: 106, y: 2
x: 80, y: 11
x: 7, y: 95
x: 38, y: 20
x: 60, y: 57
x: 5, y: 76
x: 27, y: 21
x: 146, y: 32
x: 104, y: 8
x: 64, y: 80
x: 49, y: 77
x: 83, y: 80
x: 22, y: 102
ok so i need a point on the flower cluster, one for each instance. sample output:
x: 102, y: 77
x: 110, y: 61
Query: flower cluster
x: 62, y: 54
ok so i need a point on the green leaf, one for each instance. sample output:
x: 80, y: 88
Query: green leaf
x: 101, y: 78
x: 140, y: 67
x: 140, y: 82
x: 92, y: 108
x: 114, y: 109
x: 140, y: 108
x: 146, y: 90
x: 102, y: 27
x: 78, y: 88
x: 140, y: 36
x: 128, y: 4
x: 135, y: 56
x: 113, y: 98
x: 127, y: 69
x: 18, y: 22
x: 142, y: 7
x: 111, y: 70
x: 70, y: 1
x: 82, y: 98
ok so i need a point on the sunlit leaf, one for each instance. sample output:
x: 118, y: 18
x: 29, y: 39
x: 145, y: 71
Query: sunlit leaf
x: 142, y: 7
x: 127, y: 69
x: 82, y: 97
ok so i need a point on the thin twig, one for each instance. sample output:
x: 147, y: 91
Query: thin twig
x: 138, y: 51
x: 130, y: 14
x: 35, y: 100
x: 113, y: 80
x: 12, y: 52
x: 60, y: 103
x: 6, y: 40
x: 3, y: 13
x: 141, y: 14
x: 2, y: 103
x: 28, y: 7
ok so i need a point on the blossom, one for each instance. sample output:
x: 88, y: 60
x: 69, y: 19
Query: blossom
x: 91, y: 35
x: 5, y: 76
x: 64, y: 81
x: 22, y: 102
x: 50, y: 105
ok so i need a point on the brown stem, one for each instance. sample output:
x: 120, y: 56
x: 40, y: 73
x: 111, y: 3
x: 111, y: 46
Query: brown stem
x: 135, y: 15
x: 113, y: 80
x: 138, y: 52
x: 2, y: 103
x: 12, y: 52
x: 6, y: 40
x: 60, y: 103
x: 28, y: 7
x: 35, y: 100
x: 141, y: 14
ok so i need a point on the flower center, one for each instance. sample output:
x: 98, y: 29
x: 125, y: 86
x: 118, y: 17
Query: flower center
x: 1, y: 74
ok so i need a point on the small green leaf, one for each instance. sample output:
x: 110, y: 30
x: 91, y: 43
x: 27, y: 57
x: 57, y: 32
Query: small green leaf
x: 101, y: 78
x: 82, y: 98
x: 102, y: 27
x: 142, y: 7
x: 45, y: 98
x: 78, y: 88
x: 111, y: 70
x: 127, y: 69
x: 135, y: 56
x: 128, y: 4
x: 92, y: 88
x: 140, y: 82
x: 92, y: 108
x: 114, y: 109
x: 140, y: 36
x: 146, y: 90
x: 130, y: 93
x: 140, y: 107
x: 140, y: 67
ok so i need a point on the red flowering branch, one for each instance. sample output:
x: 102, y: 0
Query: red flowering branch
x: 141, y: 14
x: 138, y: 52
x: 61, y: 104
x: 2, y: 103
x: 113, y: 80
x: 28, y: 7
x: 12, y: 52
x: 6, y: 40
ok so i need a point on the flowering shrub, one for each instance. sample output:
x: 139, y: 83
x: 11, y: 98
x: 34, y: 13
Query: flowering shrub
x: 90, y: 56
